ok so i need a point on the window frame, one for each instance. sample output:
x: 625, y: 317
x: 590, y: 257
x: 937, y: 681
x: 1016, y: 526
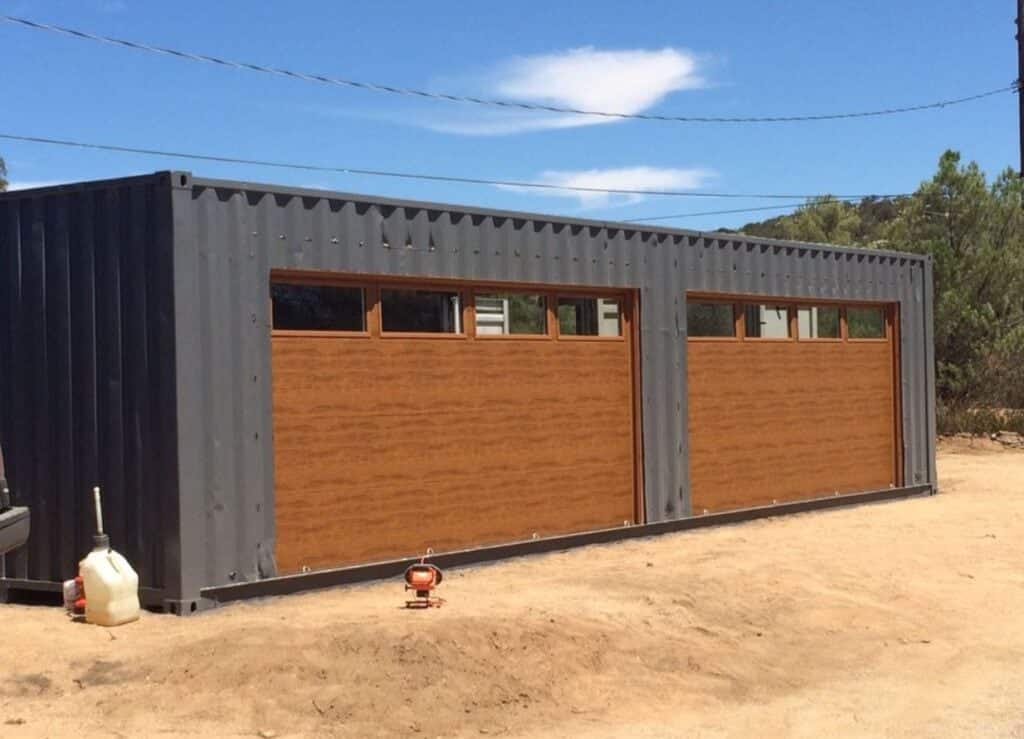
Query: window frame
x: 790, y: 319
x: 545, y: 295
x: 736, y: 326
x: 822, y: 339
x: 372, y: 285
x: 596, y: 295
x: 379, y: 286
x: 319, y: 281
x: 738, y: 301
x: 886, y: 324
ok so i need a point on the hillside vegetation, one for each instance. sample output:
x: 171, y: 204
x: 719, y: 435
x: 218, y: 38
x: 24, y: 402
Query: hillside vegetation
x: 974, y: 231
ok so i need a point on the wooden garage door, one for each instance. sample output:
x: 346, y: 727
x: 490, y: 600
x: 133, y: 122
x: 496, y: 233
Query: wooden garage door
x: 446, y: 417
x: 789, y: 401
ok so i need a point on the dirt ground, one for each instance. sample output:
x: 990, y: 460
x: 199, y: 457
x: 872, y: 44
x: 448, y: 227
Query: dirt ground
x: 897, y: 619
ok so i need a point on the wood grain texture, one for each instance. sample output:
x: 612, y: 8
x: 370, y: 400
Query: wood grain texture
x: 384, y: 446
x: 785, y: 421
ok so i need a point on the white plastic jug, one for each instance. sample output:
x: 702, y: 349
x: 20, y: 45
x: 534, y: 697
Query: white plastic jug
x: 111, y: 588
x: 111, y: 585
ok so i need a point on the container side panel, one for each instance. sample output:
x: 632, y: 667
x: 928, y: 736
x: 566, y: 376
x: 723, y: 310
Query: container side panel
x: 222, y: 324
x: 83, y: 384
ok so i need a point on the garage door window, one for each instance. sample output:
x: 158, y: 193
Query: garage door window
x: 420, y: 311
x: 766, y: 321
x: 299, y: 307
x: 818, y: 322
x: 508, y: 314
x: 709, y: 320
x: 866, y: 323
x: 584, y: 316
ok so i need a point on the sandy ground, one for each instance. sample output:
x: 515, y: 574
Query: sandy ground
x: 897, y: 619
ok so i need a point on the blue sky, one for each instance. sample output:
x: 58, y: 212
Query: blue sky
x: 728, y: 58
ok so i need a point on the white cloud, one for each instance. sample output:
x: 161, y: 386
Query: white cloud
x: 616, y: 81
x: 624, y: 178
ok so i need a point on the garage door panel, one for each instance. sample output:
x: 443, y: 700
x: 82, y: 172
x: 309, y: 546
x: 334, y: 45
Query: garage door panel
x: 323, y: 527
x: 775, y: 421
x: 414, y: 469
x: 428, y: 444
x: 385, y: 446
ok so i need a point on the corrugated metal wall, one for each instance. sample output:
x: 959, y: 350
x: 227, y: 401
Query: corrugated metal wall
x: 230, y: 235
x: 87, y: 372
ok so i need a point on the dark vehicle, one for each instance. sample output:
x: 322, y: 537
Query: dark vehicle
x: 14, y: 521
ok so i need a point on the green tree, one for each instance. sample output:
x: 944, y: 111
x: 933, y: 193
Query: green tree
x: 3, y: 175
x: 824, y: 220
x: 975, y: 235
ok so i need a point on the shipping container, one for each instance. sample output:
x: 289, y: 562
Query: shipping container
x: 281, y: 388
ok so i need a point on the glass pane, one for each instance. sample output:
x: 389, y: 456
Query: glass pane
x: 710, y: 319
x: 818, y: 321
x: 766, y: 321
x: 500, y: 314
x: 318, y: 307
x: 866, y: 323
x: 589, y: 316
x: 420, y: 311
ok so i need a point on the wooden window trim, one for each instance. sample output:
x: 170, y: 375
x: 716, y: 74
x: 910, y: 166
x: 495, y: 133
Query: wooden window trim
x: 373, y: 318
x: 886, y: 336
x: 712, y: 297
x: 546, y: 336
x: 739, y: 300
x: 387, y: 335
x: 286, y: 333
x: 573, y: 337
x: 818, y: 339
x: 372, y: 285
x: 713, y: 339
x: 622, y: 298
x: 303, y: 279
x: 790, y: 321
x: 631, y: 323
x: 513, y: 337
x: 893, y: 322
x: 736, y: 316
x: 382, y: 285
x: 289, y: 277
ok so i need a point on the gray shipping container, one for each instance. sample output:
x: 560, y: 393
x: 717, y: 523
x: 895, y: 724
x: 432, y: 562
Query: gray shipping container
x: 135, y: 354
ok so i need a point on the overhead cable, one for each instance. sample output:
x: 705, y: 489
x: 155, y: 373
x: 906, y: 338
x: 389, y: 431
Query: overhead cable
x: 517, y: 184
x: 492, y: 102
x: 649, y: 219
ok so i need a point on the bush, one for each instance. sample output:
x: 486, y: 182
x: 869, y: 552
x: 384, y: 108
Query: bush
x: 959, y: 419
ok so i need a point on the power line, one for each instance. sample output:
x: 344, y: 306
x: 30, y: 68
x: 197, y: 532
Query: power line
x: 492, y: 102
x: 746, y: 210
x: 412, y: 175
